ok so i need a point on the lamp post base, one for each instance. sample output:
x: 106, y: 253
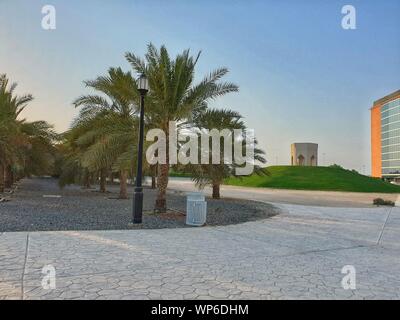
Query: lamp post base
x: 137, y: 205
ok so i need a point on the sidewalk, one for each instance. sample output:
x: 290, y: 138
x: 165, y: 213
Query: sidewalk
x: 298, y: 254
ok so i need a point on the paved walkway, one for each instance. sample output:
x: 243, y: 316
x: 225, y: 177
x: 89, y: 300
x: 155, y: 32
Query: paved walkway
x: 298, y: 254
x: 301, y: 197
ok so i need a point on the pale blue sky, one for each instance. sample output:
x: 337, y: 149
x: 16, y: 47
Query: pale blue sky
x: 301, y: 76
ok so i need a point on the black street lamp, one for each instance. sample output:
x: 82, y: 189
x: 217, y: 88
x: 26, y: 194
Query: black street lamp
x: 143, y: 87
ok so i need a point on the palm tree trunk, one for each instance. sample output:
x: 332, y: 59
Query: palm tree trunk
x: 92, y: 179
x: 86, y: 179
x: 123, y: 192
x: 162, y: 183
x: 103, y: 174
x: 87, y: 182
x: 215, y: 191
x: 1, y: 178
x: 153, y: 176
x: 111, y: 177
x: 162, y: 180
x: 8, y: 179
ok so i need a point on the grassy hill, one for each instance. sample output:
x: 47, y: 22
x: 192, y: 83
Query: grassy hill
x: 315, y: 178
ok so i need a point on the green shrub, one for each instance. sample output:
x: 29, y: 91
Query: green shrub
x: 382, y: 202
x: 336, y: 166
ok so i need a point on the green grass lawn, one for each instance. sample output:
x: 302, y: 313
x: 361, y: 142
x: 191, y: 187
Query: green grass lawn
x: 175, y: 174
x: 315, y: 178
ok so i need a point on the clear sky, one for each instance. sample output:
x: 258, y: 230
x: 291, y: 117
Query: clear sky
x: 302, y: 77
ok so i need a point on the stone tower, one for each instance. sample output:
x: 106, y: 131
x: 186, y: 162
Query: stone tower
x: 304, y: 154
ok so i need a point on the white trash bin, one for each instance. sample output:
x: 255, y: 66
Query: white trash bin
x: 196, y: 209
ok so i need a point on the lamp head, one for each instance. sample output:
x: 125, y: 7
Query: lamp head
x: 143, y: 84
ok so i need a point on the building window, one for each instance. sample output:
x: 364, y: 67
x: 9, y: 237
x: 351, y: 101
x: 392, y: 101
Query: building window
x: 390, y: 137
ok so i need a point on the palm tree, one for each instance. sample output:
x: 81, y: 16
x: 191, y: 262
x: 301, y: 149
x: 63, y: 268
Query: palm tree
x: 174, y: 96
x: 10, y: 108
x: 38, y: 139
x: 214, y: 174
x: 24, y: 146
x: 106, y: 125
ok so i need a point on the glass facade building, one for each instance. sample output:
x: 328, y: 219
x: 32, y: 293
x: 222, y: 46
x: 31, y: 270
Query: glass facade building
x: 385, y: 136
x: 390, y: 137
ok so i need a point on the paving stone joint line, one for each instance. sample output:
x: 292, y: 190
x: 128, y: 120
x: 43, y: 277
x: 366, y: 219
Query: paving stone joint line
x: 384, y: 225
x: 24, y: 267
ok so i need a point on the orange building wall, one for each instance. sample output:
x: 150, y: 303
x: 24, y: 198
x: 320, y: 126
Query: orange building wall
x: 376, y: 150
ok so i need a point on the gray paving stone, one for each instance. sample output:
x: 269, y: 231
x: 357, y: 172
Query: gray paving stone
x: 296, y: 255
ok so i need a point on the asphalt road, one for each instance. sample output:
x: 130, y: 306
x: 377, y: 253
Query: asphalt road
x: 301, y: 197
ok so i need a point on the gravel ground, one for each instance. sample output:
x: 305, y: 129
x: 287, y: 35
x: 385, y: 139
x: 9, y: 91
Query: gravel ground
x: 80, y: 209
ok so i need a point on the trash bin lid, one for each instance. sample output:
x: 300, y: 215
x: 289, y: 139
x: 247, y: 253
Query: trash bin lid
x: 195, y: 196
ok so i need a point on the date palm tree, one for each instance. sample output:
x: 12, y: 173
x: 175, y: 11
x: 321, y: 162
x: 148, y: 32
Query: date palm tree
x: 37, y: 140
x: 24, y: 145
x: 10, y: 108
x: 213, y: 174
x: 105, y: 129
x: 174, y: 96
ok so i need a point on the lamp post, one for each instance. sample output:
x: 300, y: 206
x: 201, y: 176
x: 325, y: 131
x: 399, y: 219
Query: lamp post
x: 143, y: 87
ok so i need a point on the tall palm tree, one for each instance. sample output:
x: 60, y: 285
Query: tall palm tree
x: 214, y: 174
x: 11, y: 106
x: 174, y: 96
x: 24, y: 145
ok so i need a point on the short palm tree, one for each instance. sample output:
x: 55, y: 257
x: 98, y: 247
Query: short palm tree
x: 214, y: 174
x: 106, y: 125
x: 38, y: 139
x: 174, y: 96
